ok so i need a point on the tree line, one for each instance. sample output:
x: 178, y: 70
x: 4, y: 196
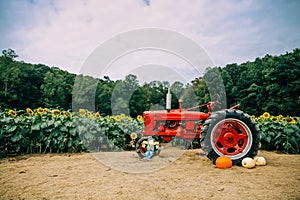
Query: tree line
x: 269, y: 84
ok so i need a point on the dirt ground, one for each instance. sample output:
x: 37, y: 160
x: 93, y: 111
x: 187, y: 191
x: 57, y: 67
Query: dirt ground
x: 122, y: 175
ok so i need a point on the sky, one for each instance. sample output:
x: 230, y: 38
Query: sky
x: 64, y: 33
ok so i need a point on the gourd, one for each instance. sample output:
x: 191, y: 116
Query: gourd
x: 248, y: 163
x: 223, y: 162
x: 260, y: 161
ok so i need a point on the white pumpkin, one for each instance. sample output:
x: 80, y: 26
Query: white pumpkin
x: 260, y: 161
x: 248, y: 163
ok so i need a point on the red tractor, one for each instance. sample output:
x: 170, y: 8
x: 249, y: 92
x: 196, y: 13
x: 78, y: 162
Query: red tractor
x: 228, y: 132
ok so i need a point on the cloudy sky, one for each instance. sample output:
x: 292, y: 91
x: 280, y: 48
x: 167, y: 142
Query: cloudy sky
x: 64, y: 33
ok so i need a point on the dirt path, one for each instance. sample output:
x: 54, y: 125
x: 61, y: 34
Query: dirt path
x: 82, y: 176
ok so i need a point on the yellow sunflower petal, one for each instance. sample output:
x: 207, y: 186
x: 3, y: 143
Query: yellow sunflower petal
x: 133, y: 136
x: 12, y: 113
x: 97, y: 115
x: 266, y: 115
x: 29, y: 111
x: 139, y: 117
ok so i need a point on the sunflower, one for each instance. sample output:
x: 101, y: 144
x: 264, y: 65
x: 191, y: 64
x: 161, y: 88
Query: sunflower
x: 129, y: 120
x: 290, y: 120
x: 266, y: 115
x: 82, y: 112
x: 252, y: 116
x: 280, y: 118
x: 293, y: 121
x: 56, y: 112
x: 29, y: 111
x: 67, y: 114
x: 97, y: 115
x: 46, y: 110
x: 122, y: 115
x: 91, y: 116
x: 139, y: 118
x: 274, y: 118
x: 12, y: 113
x: 40, y: 110
x: 110, y: 119
x: 117, y: 118
x: 133, y: 136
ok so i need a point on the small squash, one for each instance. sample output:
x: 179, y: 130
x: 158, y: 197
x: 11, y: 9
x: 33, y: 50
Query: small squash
x: 248, y: 163
x: 223, y: 162
x: 260, y: 161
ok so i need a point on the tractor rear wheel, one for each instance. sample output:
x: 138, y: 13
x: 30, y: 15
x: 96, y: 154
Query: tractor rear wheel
x: 231, y: 133
x: 141, y: 149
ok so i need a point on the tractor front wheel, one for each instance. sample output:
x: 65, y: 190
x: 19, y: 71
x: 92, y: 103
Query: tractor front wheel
x: 231, y: 133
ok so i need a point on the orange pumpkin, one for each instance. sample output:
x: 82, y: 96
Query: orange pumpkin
x: 223, y: 162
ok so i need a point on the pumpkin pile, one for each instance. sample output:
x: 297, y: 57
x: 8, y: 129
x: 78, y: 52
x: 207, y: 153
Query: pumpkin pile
x: 251, y: 163
x: 223, y: 162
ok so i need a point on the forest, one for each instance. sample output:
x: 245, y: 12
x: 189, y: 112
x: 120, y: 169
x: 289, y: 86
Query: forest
x: 268, y: 84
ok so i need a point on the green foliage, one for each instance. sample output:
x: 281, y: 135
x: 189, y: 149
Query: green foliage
x: 38, y: 131
x: 268, y: 84
x: 56, y: 88
x: 280, y: 133
x: 43, y: 130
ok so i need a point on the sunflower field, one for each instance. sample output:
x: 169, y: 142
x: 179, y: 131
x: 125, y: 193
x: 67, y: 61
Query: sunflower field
x: 45, y: 130
x: 279, y: 132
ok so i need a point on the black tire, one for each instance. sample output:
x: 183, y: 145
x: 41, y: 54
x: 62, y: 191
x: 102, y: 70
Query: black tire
x: 141, y: 151
x: 232, y: 133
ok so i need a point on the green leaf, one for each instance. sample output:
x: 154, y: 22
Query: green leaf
x: 63, y: 129
x: 288, y: 131
x: 57, y: 123
x: 12, y: 129
x: 69, y: 124
x: 16, y: 137
x: 73, y: 131
x: 17, y: 120
x: 70, y: 143
x: 294, y: 141
x: 50, y: 122
x: 272, y: 134
x: 35, y: 127
x: 268, y: 139
x: 44, y: 125
x: 278, y: 136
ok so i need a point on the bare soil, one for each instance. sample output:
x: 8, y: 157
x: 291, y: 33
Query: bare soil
x: 123, y: 175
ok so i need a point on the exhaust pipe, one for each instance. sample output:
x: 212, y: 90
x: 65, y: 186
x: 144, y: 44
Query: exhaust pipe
x: 168, y: 100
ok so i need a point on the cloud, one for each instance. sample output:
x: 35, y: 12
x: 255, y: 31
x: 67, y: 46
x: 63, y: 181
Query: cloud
x: 63, y: 33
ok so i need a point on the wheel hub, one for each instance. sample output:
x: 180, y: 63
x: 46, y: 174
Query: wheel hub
x: 229, y: 138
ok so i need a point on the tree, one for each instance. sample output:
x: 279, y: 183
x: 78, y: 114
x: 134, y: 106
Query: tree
x: 103, y: 95
x: 84, y: 93
x: 9, y: 79
x: 215, y: 85
x: 30, y: 80
x: 9, y: 54
x: 56, y: 88
x: 122, y: 93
